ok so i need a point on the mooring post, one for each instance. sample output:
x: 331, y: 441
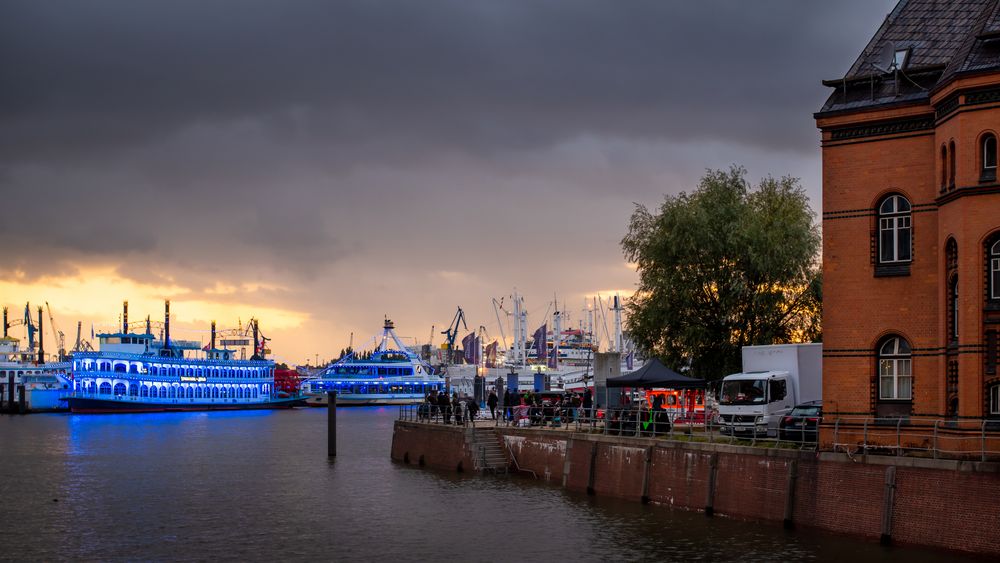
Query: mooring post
x: 647, y: 461
x: 21, y: 408
x: 713, y: 469
x: 888, y: 499
x: 10, y: 392
x: 592, y: 469
x: 793, y: 476
x: 331, y: 424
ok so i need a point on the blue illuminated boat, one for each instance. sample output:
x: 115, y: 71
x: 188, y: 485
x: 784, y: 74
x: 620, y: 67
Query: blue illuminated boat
x: 391, y: 374
x: 134, y: 372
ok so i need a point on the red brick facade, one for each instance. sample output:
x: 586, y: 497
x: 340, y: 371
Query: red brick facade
x: 925, y: 144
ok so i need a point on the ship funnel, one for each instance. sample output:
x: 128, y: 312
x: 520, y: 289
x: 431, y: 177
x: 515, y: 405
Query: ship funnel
x: 166, y: 324
x: 5, y: 325
x: 213, y: 336
x: 125, y: 317
x: 41, y: 338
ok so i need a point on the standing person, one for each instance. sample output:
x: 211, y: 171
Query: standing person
x: 506, y: 404
x: 445, y: 405
x: 491, y: 402
x: 588, y: 404
x: 456, y: 407
x: 473, y: 408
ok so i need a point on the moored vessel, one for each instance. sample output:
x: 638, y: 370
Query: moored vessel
x: 135, y: 372
x: 391, y: 374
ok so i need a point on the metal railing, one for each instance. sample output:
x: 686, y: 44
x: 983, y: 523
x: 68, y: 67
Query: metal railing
x: 626, y: 421
x: 914, y: 436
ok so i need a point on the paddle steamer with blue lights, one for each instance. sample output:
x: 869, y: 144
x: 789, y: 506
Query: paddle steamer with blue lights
x: 390, y: 375
x: 135, y: 372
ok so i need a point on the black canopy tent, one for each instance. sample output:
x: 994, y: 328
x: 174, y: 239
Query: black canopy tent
x: 655, y: 374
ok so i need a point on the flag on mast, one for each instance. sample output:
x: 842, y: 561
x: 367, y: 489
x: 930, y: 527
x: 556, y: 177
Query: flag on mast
x: 539, y: 337
x: 468, y: 346
x: 553, y: 362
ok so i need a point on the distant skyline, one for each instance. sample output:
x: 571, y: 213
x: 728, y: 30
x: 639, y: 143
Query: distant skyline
x: 320, y: 165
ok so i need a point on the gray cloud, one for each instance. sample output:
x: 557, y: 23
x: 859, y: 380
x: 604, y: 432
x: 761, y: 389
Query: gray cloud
x: 353, y: 151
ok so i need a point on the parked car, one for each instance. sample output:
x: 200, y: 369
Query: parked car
x: 801, y: 424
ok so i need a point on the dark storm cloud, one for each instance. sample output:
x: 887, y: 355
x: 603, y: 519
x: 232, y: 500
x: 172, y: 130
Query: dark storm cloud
x: 343, y: 157
x: 82, y: 76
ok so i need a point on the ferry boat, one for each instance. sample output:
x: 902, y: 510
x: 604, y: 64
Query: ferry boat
x: 390, y: 375
x: 134, y: 372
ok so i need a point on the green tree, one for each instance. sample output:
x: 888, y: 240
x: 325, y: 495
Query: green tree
x: 723, y: 267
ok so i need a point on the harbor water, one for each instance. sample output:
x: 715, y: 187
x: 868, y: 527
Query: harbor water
x: 258, y: 485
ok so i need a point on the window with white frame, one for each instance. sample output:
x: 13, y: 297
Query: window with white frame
x: 895, y: 230
x: 989, y: 155
x: 995, y: 400
x: 895, y: 370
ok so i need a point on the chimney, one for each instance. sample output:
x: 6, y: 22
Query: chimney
x: 148, y: 327
x: 5, y: 325
x: 213, y: 336
x: 41, y: 337
x: 125, y: 317
x: 166, y: 324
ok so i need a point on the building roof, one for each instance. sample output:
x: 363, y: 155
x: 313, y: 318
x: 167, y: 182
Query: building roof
x: 942, y: 39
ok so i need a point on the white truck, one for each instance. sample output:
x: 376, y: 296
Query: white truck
x: 774, y: 379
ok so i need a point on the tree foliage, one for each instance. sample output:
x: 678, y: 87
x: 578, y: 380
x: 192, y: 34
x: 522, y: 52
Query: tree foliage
x: 722, y: 267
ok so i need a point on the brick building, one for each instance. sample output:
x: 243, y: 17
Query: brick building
x: 911, y: 220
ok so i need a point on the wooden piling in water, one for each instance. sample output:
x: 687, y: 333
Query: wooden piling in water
x: 331, y: 424
x: 10, y: 392
x: 21, y: 407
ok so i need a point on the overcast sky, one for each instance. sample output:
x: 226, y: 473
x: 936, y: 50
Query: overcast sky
x: 322, y: 164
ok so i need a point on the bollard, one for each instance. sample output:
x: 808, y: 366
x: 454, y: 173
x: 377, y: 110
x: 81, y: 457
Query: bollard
x: 331, y: 424
x: 21, y: 409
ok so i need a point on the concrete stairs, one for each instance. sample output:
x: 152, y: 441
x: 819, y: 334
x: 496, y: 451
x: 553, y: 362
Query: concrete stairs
x: 487, y: 451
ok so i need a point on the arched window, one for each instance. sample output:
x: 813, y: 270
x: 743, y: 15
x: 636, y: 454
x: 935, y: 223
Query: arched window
x: 988, y: 170
x: 163, y: 391
x: 944, y: 167
x: 119, y: 388
x: 894, y: 230
x: 895, y: 369
x: 951, y: 164
x: 133, y: 390
x: 105, y: 388
x: 144, y: 391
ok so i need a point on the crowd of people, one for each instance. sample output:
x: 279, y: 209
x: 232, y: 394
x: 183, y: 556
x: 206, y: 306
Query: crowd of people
x: 528, y: 408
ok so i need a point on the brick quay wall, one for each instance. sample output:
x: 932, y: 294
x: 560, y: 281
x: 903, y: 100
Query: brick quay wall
x: 935, y: 503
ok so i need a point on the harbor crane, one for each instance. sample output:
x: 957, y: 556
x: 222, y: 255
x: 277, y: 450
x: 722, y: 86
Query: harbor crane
x: 452, y: 333
x: 81, y: 345
x: 26, y: 321
x: 57, y: 334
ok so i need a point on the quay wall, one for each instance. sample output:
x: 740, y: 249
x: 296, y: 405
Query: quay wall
x: 944, y: 504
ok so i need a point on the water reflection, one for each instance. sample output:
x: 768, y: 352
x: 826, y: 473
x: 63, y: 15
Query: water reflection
x: 258, y: 485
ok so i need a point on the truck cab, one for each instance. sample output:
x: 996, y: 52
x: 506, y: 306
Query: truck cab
x: 752, y: 403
